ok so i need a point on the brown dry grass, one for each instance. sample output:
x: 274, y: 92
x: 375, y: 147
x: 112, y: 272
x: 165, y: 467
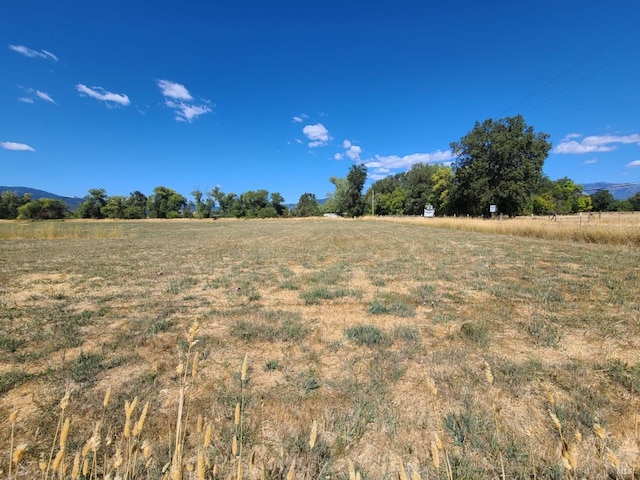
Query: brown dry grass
x: 543, y: 316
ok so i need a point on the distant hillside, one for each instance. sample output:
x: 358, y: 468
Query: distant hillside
x: 620, y: 191
x: 73, y: 202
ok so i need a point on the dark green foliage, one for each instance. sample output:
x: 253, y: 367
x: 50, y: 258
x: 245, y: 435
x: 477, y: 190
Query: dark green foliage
x: 602, y: 201
x: 307, y: 206
x: 43, y: 209
x: 165, y: 203
x: 11, y: 379
x: 498, y: 163
x: 356, y: 177
x: 367, y: 335
x: 626, y: 375
x: 93, y: 204
x: 10, y: 202
x: 86, y: 367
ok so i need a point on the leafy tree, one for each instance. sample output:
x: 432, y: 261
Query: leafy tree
x: 307, y: 206
x: 93, y: 204
x: 602, y: 201
x: 228, y: 203
x: 418, y: 182
x: 43, y: 209
x: 621, y: 206
x: 354, y: 204
x: 10, y: 202
x: 635, y: 201
x: 277, y: 202
x: 116, y: 207
x: 392, y: 203
x: 165, y: 203
x: 440, y: 196
x: 498, y: 162
x: 336, y: 201
x: 136, y: 205
x: 203, y: 209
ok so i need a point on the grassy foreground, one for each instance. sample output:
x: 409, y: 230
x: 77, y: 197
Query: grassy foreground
x: 322, y: 348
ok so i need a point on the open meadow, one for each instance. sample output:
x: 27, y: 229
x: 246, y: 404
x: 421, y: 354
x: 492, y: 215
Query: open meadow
x: 319, y: 348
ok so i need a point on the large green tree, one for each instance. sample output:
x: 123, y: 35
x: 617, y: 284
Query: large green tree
x: 43, y: 209
x: 602, y: 200
x: 93, y: 203
x: 307, y: 206
x: 354, y: 205
x: 10, y: 202
x: 498, y: 162
x: 165, y: 203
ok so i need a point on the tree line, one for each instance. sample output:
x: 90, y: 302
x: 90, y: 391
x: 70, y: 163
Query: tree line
x: 498, y: 169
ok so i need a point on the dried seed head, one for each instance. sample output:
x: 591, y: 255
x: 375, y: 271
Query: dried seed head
x: 64, y: 433
x: 199, y: 424
x: 194, y: 365
x: 146, y: 449
x: 180, y: 369
x: 18, y: 452
x: 64, y: 403
x: 85, y: 467
x: 314, y: 434
x: 291, y: 470
x: 599, y: 431
x: 107, y: 397
x: 487, y: 373
x: 556, y: 421
x: 431, y: 385
x: 402, y: 472
x: 12, y: 416
x: 549, y: 396
x: 240, y: 471
x: 352, y: 471
x: 193, y: 332
x: 236, y: 419
x: 75, y: 470
x: 140, y: 423
x: 207, y: 436
x: 435, y: 455
x: 234, y: 446
x: 613, y: 459
x: 57, y: 460
x: 578, y: 436
x: 245, y: 364
x: 201, y: 465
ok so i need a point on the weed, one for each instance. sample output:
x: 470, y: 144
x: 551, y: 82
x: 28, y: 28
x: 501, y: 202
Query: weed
x: 367, y: 335
x: 477, y: 332
x: 626, y: 375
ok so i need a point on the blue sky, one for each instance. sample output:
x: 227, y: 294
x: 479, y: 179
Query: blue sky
x: 282, y: 95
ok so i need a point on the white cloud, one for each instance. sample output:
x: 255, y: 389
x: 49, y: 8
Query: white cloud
x: 174, y: 90
x: 44, y: 96
x: 338, y: 156
x: 635, y: 163
x: 298, y: 119
x: 591, y: 161
x: 35, y: 93
x: 185, y: 112
x: 346, y: 143
x: 594, y: 143
x: 17, y: 146
x: 299, y: 141
x: 178, y: 98
x: 27, y: 52
x: 318, y: 135
x: 101, y: 94
x: 379, y: 162
x: 353, y: 152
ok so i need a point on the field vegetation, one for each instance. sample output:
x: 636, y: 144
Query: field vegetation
x: 320, y: 348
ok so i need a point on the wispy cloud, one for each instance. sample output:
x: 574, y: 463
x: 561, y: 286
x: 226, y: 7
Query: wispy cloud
x: 384, y: 164
x: 27, y: 52
x: 635, y: 163
x: 17, y: 146
x: 318, y: 135
x: 44, y: 96
x: 35, y: 94
x: 103, y: 95
x: 178, y: 98
x: 591, y: 161
x: 594, y: 143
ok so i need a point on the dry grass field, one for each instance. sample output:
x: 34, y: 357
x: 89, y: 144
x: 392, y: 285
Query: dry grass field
x: 319, y: 348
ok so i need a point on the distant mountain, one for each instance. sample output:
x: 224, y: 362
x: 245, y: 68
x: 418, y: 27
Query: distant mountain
x: 73, y: 202
x: 620, y: 191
